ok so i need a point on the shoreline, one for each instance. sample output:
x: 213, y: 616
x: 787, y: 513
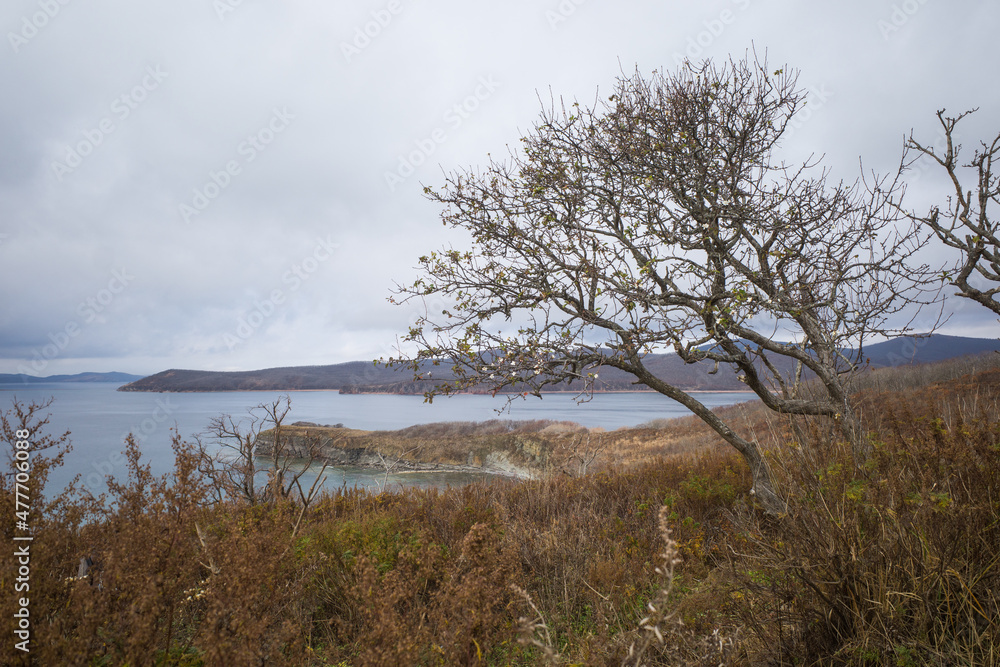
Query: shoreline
x: 416, y: 467
x: 413, y: 466
x: 393, y: 393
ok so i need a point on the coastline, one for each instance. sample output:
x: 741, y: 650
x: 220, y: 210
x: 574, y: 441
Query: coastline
x: 411, y: 467
x: 395, y: 393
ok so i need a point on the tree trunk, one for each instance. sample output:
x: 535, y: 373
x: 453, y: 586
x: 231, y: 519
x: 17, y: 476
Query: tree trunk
x: 763, y: 485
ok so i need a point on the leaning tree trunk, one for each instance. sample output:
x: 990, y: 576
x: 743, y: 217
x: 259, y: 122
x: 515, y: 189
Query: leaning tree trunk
x: 763, y: 484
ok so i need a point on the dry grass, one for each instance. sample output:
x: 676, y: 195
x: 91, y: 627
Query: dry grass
x: 897, y: 563
x: 538, y: 446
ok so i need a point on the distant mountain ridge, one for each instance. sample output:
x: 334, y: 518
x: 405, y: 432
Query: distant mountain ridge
x: 22, y: 378
x: 364, y: 377
x: 296, y: 378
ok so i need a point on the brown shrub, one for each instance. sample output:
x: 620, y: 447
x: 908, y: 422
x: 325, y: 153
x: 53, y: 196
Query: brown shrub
x: 895, y: 563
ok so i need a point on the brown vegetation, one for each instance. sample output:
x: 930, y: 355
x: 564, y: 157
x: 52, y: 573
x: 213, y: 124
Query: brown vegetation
x: 531, y: 448
x: 897, y: 564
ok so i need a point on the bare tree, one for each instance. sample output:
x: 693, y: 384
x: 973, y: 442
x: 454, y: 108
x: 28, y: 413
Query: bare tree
x: 388, y: 463
x: 661, y: 218
x: 582, y: 451
x: 234, y: 465
x: 966, y: 223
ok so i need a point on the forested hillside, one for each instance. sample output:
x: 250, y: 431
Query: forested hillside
x: 366, y: 377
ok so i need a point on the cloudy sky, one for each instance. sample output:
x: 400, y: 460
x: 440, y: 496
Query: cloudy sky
x: 236, y: 184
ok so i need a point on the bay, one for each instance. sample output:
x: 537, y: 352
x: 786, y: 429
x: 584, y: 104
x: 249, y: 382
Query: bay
x: 99, y: 418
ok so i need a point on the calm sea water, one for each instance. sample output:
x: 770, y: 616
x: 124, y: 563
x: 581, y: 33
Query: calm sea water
x: 99, y: 418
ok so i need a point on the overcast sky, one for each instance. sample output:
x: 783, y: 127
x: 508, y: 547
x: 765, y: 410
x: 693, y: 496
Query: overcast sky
x: 236, y: 184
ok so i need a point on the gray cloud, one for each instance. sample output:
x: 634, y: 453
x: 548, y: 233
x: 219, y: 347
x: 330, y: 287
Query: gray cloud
x: 287, y: 125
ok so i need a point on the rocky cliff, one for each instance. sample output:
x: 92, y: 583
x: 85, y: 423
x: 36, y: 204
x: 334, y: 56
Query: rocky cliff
x: 515, y: 453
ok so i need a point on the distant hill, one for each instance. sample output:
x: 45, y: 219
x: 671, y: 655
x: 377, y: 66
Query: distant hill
x: 364, y: 377
x: 21, y: 378
x: 289, y: 378
x: 698, y: 377
x: 900, y: 351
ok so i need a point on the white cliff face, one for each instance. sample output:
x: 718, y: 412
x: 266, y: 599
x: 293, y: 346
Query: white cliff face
x: 498, y: 463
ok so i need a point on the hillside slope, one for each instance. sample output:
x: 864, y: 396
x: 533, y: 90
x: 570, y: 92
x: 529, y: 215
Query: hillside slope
x: 21, y: 378
x: 365, y: 377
